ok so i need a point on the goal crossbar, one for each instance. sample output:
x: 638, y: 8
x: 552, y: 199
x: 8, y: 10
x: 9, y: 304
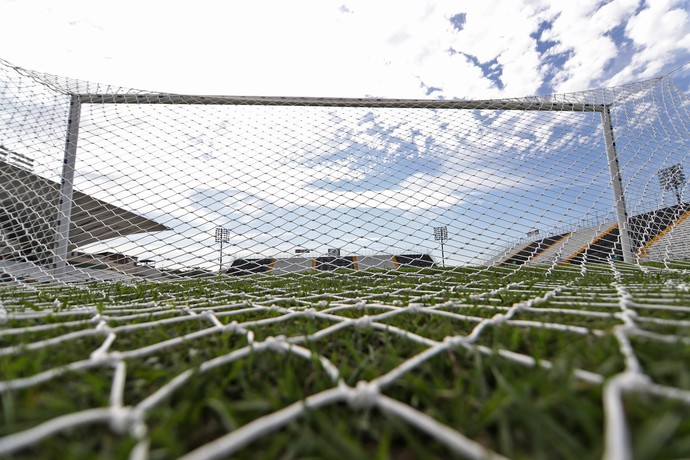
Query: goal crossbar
x: 496, y: 104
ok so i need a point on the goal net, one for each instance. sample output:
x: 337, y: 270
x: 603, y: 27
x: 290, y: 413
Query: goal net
x: 254, y: 276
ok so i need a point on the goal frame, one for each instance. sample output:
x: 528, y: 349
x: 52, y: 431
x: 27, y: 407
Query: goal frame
x: 65, y: 202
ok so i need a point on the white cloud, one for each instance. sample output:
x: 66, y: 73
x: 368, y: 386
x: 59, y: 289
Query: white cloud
x: 340, y: 48
x: 659, y: 32
x: 581, y: 31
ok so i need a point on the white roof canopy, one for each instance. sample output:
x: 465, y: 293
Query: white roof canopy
x: 28, y: 211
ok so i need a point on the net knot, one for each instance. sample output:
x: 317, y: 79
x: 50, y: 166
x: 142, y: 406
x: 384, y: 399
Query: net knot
x: 310, y: 313
x: 280, y: 309
x: 112, y: 357
x: 361, y: 304
x: 120, y: 421
x: 631, y: 314
x: 137, y: 429
x: 414, y: 307
x: 103, y: 328
x: 276, y: 343
x: 631, y: 381
x: 627, y: 303
x: 499, y: 318
x: 124, y: 420
x: 454, y: 340
x: 626, y: 316
x: 186, y: 309
x: 363, y: 396
x: 363, y: 323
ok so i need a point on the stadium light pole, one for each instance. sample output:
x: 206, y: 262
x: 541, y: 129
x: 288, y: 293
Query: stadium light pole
x: 441, y: 234
x: 222, y: 236
x: 673, y: 178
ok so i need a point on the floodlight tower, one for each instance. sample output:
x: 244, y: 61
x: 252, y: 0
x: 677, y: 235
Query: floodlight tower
x: 441, y: 234
x: 672, y: 178
x: 222, y: 236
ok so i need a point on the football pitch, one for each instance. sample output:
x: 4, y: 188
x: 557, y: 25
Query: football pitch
x: 411, y: 363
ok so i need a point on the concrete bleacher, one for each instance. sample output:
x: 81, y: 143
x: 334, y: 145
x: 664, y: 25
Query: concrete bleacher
x: 553, y: 249
x: 290, y: 265
x: 661, y: 234
x: 280, y: 266
x: 673, y: 242
x: 382, y: 261
x: 549, y: 251
x: 28, y: 272
x: 507, y: 252
x: 532, y: 250
x: 571, y: 245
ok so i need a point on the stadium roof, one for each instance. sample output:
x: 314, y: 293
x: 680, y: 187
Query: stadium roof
x: 28, y: 208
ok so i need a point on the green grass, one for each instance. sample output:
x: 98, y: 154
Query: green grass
x: 516, y: 410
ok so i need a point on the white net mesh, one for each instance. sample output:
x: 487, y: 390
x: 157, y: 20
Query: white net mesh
x: 208, y: 275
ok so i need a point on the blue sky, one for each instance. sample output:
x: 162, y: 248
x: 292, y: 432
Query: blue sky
x: 450, y: 49
x: 361, y: 180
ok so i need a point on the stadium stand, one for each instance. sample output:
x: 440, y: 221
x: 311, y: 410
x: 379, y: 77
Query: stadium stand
x: 533, y: 249
x: 279, y: 266
x: 672, y: 238
x: 652, y: 235
x: 28, y: 212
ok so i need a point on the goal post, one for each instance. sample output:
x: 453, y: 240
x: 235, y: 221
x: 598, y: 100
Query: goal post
x: 492, y: 105
x: 66, y: 202
x: 617, y: 185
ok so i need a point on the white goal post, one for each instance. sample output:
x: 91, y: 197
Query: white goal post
x: 506, y: 104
